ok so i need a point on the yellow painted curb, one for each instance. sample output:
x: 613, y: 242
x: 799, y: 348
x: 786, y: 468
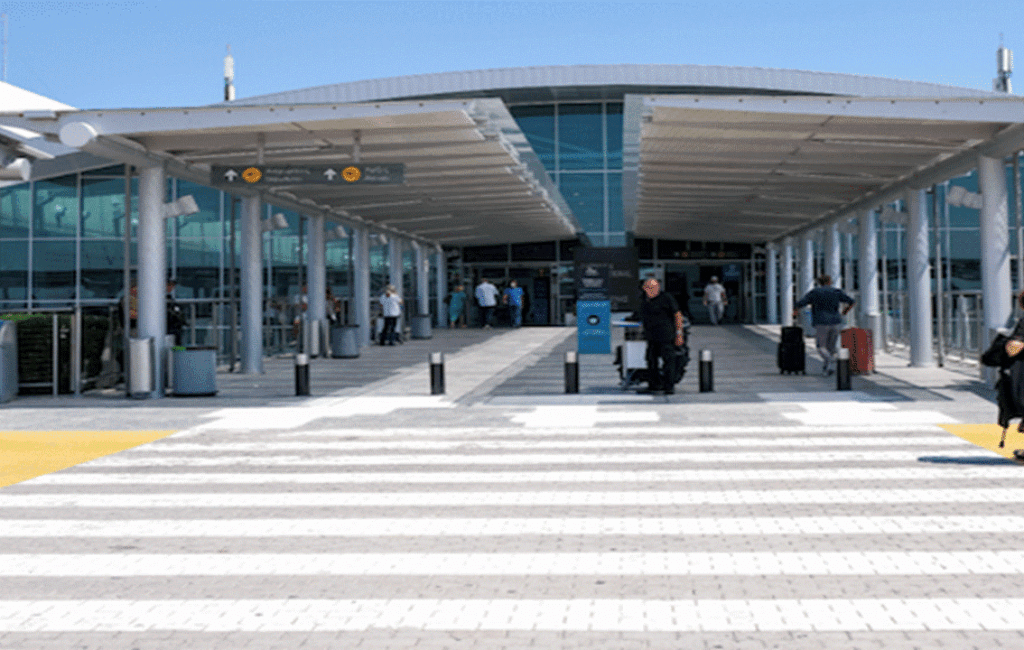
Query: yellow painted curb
x: 987, y: 436
x: 27, y: 454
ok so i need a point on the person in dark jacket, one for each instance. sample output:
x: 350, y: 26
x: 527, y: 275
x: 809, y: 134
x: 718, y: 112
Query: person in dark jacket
x: 663, y: 328
x: 825, y: 301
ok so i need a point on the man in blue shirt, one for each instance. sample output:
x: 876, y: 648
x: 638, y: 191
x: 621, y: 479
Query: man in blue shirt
x: 826, y: 317
x: 514, y: 299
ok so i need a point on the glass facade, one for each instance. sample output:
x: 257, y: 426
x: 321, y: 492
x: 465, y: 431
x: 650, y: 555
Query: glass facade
x: 580, y: 145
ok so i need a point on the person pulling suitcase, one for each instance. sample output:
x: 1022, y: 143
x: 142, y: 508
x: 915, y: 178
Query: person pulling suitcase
x: 825, y: 301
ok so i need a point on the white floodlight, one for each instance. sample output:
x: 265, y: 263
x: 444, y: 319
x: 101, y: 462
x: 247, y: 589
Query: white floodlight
x: 890, y: 215
x: 960, y: 197
x: 336, y: 233
x: 16, y: 169
x: 276, y: 222
x: 185, y: 205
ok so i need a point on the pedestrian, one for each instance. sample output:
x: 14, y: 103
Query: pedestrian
x: 663, y: 328
x: 391, y: 309
x: 513, y: 297
x: 457, y: 306
x: 825, y: 301
x: 715, y: 300
x: 486, y: 298
x: 175, y: 314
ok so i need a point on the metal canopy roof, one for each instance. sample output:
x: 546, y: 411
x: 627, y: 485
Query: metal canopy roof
x: 753, y: 168
x: 471, y: 177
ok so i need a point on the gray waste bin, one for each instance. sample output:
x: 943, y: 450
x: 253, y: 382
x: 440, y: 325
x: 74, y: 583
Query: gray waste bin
x: 420, y: 326
x: 345, y: 341
x: 195, y: 370
x: 140, y: 360
x: 8, y: 360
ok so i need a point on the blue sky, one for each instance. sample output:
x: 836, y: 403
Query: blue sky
x: 144, y: 54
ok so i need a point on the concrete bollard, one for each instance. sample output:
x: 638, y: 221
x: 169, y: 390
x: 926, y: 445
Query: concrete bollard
x: 572, y: 373
x: 437, y: 373
x: 843, y: 369
x: 707, y: 376
x: 301, y: 374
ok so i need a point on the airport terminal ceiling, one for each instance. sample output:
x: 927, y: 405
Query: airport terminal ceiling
x: 709, y: 166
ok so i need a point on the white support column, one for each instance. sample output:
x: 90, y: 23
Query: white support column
x: 919, y: 281
x: 251, y: 285
x: 806, y: 278
x: 152, y: 278
x: 867, y: 268
x: 442, y: 287
x: 786, y: 295
x: 772, y: 283
x: 316, y: 284
x: 995, y: 244
x: 833, y: 253
x: 360, y: 308
x: 847, y: 264
x: 422, y: 280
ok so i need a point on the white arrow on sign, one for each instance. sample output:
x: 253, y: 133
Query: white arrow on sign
x: 330, y: 174
x: 231, y: 175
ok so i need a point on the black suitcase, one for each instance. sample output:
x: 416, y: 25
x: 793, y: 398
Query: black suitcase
x: 792, y: 357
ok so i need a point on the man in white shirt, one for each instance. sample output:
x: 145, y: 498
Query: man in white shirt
x: 715, y: 300
x: 486, y: 298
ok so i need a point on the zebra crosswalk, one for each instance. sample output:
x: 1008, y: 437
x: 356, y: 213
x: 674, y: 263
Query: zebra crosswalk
x: 401, y: 537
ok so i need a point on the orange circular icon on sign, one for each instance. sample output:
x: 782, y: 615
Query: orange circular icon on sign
x: 351, y: 174
x: 252, y: 175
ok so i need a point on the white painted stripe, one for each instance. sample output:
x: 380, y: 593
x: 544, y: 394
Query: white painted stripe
x: 128, y: 459
x: 949, y: 473
x: 577, y: 615
x: 508, y: 499
x: 752, y: 428
x: 481, y: 527
x: 870, y: 563
x: 170, y: 446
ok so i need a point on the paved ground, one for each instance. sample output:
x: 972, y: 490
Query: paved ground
x: 775, y: 512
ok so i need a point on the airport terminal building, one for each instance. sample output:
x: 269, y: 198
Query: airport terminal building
x: 907, y: 193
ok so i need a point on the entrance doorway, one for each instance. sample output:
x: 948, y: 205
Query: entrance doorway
x: 686, y: 282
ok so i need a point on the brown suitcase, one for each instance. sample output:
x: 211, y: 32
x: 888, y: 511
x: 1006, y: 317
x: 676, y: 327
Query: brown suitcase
x: 862, y: 351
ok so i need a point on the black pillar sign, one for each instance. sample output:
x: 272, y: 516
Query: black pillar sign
x: 608, y: 274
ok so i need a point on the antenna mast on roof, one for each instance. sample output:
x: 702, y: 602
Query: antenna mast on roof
x: 4, y: 17
x: 229, y: 77
x: 1004, y: 67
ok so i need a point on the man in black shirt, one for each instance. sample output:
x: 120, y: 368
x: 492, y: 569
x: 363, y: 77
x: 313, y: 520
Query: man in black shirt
x: 663, y: 328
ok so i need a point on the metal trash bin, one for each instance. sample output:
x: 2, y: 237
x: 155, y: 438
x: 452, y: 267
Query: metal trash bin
x: 8, y: 360
x: 420, y: 326
x: 195, y: 370
x: 345, y: 341
x: 140, y: 360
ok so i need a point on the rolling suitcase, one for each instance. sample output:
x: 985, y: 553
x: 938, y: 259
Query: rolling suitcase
x: 862, y: 352
x: 791, y: 351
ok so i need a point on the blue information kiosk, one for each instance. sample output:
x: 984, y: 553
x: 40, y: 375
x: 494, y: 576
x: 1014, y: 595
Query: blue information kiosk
x: 594, y: 326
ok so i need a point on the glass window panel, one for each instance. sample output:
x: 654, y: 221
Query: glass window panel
x: 102, y: 268
x: 581, y: 136
x: 585, y: 195
x: 534, y: 252
x: 56, y: 207
x: 53, y: 270
x: 206, y: 222
x: 538, y: 125
x: 613, y: 123
x: 103, y: 207
x: 199, y: 253
x: 13, y: 270
x: 116, y: 170
x: 15, y: 208
x: 615, y: 219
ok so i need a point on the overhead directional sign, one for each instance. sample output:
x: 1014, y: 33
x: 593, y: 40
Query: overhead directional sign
x: 269, y: 175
